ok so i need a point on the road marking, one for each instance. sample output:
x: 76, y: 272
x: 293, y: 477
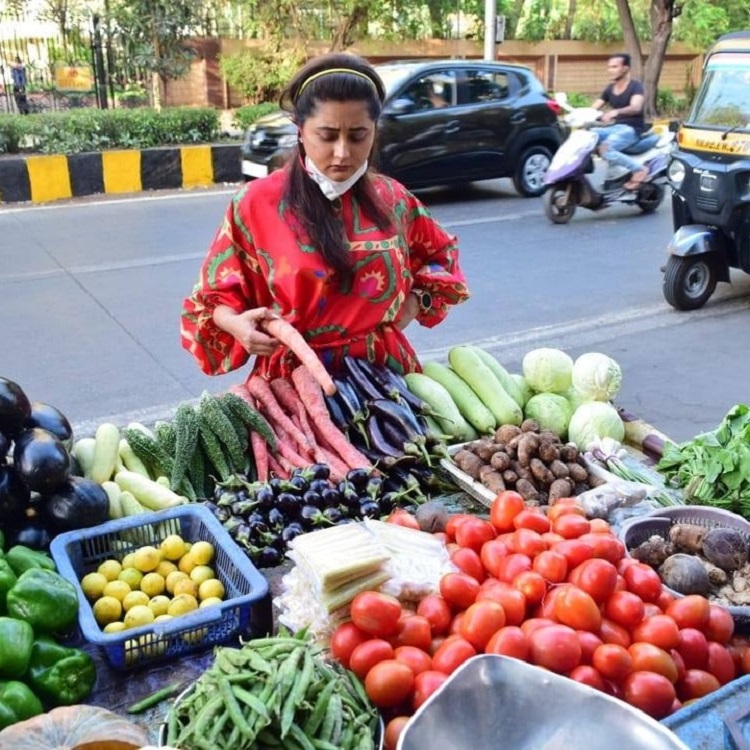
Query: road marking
x: 489, y: 219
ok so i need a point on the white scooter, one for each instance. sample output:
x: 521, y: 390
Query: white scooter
x: 578, y: 177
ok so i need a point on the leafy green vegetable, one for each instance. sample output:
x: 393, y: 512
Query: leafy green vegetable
x: 714, y: 468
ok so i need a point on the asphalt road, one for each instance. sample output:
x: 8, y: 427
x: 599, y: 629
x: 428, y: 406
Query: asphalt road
x: 90, y: 293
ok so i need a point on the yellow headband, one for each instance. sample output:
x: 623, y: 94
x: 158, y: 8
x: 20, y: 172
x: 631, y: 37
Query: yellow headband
x: 330, y: 71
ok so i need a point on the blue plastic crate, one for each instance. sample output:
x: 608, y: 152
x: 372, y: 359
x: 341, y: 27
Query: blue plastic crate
x: 718, y: 721
x: 246, y: 607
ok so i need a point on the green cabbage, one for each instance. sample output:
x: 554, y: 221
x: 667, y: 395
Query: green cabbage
x: 575, y: 398
x: 593, y: 421
x: 597, y: 377
x: 550, y: 410
x: 548, y: 370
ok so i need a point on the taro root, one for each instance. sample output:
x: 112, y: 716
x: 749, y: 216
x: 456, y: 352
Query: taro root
x: 685, y: 574
x: 654, y: 551
x: 725, y: 548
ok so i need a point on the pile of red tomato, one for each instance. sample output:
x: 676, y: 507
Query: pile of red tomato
x: 555, y: 590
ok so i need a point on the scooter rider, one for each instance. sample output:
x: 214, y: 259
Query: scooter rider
x: 623, y: 121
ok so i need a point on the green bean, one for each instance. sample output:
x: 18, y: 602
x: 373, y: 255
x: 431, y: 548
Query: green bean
x: 301, y: 737
x: 293, y: 698
x: 172, y: 726
x: 359, y: 688
x: 366, y: 741
x: 267, y: 737
x: 333, y: 710
x: 154, y: 698
x: 233, y: 739
x: 235, y: 712
x: 323, y: 745
x: 224, y: 662
x: 338, y: 725
x: 218, y: 727
x: 198, y: 726
x: 319, y: 710
x: 288, y: 670
x: 252, y: 701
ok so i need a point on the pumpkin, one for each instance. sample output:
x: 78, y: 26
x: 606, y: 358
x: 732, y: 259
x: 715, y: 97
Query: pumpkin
x: 74, y: 728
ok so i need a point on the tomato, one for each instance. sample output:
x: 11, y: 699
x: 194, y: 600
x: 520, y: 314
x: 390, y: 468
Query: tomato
x: 613, y: 662
x: 505, y: 507
x: 509, y: 641
x: 368, y: 654
x: 402, y: 517
x: 720, y: 663
x: 547, y: 607
x: 555, y: 647
x: 612, y: 632
x: 393, y: 731
x: 413, y: 630
x: 344, y: 640
x: 509, y: 567
x: 535, y: 623
x: 624, y: 608
x: 414, y: 658
x: 456, y: 623
x: 561, y: 509
x: 528, y: 542
x: 551, y: 565
x: 492, y: 553
x: 551, y: 539
x: 388, y: 683
x: 587, y: 675
x: 644, y: 581
x: 376, y: 613
x: 596, y: 577
x: 625, y: 563
x: 532, y: 519
x: 660, y: 630
x: 679, y: 662
x: 600, y: 526
x: 589, y: 643
x: 575, y: 551
x: 459, y: 590
x: 664, y: 600
x: 746, y: 661
x: 606, y: 546
x: 695, y: 684
x: 578, y: 610
x: 454, y: 522
x: 649, y: 658
x: 692, y: 611
x: 651, y: 610
x: 531, y: 585
x: 452, y: 654
x: 513, y: 601
x: 425, y: 684
x: 571, y: 526
x: 652, y: 693
x: 720, y: 626
x: 474, y: 532
x: 692, y: 647
x: 469, y: 562
x: 437, y: 612
x: 480, y: 622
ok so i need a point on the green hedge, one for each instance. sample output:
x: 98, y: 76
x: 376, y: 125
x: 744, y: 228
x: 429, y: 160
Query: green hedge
x: 97, y: 130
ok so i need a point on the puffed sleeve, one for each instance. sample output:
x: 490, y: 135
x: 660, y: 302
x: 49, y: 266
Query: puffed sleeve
x: 433, y: 260
x: 228, y: 276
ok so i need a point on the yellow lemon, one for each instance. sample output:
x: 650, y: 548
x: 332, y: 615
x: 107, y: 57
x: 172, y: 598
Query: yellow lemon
x: 131, y: 576
x: 186, y: 563
x: 107, y: 609
x: 152, y: 584
x: 151, y: 646
x: 211, y: 601
x: 210, y: 589
x: 202, y: 552
x: 133, y: 599
x: 114, y: 627
x: 127, y: 561
x: 93, y: 585
x: 146, y: 558
x: 159, y: 605
x: 110, y: 569
x: 201, y: 573
x: 173, y: 547
x: 165, y: 567
x: 186, y: 586
x: 117, y: 589
x: 139, y: 615
x: 181, y: 605
x: 173, y: 578
x: 162, y: 618
x: 195, y: 636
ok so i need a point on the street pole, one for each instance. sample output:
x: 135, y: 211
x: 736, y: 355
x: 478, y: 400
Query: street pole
x: 490, y: 7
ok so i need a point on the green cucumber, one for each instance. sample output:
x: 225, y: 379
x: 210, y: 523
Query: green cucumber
x: 510, y: 386
x: 443, y: 406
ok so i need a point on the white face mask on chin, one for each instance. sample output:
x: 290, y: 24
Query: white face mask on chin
x: 330, y: 188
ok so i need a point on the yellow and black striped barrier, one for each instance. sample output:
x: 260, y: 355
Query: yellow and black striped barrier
x: 41, y: 179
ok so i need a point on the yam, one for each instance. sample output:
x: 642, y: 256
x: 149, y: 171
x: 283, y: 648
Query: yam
x: 484, y: 448
x: 505, y: 433
x: 559, y: 469
x: 469, y: 463
x: 510, y: 477
x: 500, y: 460
x: 654, y: 551
x: 541, y: 473
x: 530, y: 425
x: 527, y: 491
x: 560, y: 488
x: 492, y: 480
x: 548, y: 452
x: 577, y: 472
x: 514, y: 441
x: 569, y: 452
x: 688, y: 537
x: 528, y: 446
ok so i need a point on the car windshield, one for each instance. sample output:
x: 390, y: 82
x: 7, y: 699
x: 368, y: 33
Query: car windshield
x: 723, y: 101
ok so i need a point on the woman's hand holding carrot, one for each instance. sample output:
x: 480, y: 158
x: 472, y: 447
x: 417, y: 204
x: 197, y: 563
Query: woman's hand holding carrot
x: 246, y: 329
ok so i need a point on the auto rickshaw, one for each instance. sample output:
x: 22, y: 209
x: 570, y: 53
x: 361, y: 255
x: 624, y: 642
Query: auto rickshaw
x: 709, y: 173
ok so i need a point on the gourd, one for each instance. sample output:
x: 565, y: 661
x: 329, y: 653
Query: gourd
x: 74, y: 728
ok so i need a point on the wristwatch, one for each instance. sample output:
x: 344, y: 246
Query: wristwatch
x: 424, y: 298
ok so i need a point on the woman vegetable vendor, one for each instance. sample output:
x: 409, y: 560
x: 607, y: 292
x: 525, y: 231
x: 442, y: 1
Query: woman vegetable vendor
x: 348, y: 257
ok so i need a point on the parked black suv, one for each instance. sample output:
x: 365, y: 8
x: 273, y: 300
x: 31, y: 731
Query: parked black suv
x: 443, y: 121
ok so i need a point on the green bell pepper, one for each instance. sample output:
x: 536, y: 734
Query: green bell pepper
x: 17, y: 703
x: 7, y: 582
x: 16, y: 639
x: 22, y: 558
x: 61, y: 674
x: 46, y: 600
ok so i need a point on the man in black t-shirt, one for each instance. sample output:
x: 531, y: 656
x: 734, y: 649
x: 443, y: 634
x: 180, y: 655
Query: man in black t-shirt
x: 623, y: 121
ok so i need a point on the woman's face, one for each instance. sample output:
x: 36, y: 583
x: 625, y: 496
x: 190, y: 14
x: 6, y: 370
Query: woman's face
x: 338, y: 137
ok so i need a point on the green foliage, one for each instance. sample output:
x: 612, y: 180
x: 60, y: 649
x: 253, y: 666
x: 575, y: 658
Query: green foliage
x: 669, y: 105
x: 261, y: 74
x: 82, y: 130
x: 245, y: 116
x: 576, y: 99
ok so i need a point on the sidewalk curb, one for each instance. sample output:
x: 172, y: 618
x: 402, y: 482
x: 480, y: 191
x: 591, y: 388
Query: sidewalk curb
x: 44, y: 178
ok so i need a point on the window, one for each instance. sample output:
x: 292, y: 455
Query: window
x: 433, y: 91
x: 487, y: 86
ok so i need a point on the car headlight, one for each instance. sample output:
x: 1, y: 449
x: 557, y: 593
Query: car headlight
x: 676, y: 172
x: 288, y: 141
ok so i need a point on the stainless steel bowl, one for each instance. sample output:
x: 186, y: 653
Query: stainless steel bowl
x: 494, y: 702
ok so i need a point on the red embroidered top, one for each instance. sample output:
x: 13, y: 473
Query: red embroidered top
x: 258, y: 260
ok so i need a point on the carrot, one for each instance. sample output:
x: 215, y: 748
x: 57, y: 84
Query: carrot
x: 285, y: 450
x: 288, y: 335
x: 312, y: 397
x: 276, y: 468
x: 289, y: 399
x: 338, y: 468
x: 260, y: 452
x: 261, y: 391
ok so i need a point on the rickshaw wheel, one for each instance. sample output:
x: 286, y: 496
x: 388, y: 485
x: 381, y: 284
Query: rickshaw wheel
x: 689, y: 282
x: 557, y: 208
x: 649, y: 197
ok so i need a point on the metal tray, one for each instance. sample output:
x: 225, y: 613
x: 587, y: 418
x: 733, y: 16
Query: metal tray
x: 493, y: 702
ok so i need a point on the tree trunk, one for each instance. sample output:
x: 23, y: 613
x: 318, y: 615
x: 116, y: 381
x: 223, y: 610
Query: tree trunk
x: 344, y: 35
x: 632, y: 42
x: 568, y: 32
x: 156, y: 98
x: 663, y: 14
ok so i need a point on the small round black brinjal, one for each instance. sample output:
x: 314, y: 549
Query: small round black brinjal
x: 387, y: 501
x: 313, y: 498
x: 269, y: 557
x: 319, y: 485
x: 351, y: 501
x: 291, y: 531
x: 299, y: 483
x: 222, y: 513
x: 369, y: 509
x: 334, y: 515
x: 276, y: 518
x: 331, y: 497
x: 276, y: 485
x: 344, y: 485
x: 226, y: 497
x: 374, y: 487
x: 289, y: 504
x: 358, y: 477
x: 320, y: 471
x: 310, y: 516
x: 265, y: 498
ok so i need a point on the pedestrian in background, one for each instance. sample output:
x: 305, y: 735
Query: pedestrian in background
x: 18, y: 77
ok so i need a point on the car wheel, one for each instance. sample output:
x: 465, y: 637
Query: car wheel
x: 529, y: 175
x: 558, y: 207
x: 649, y: 197
x: 689, y: 282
